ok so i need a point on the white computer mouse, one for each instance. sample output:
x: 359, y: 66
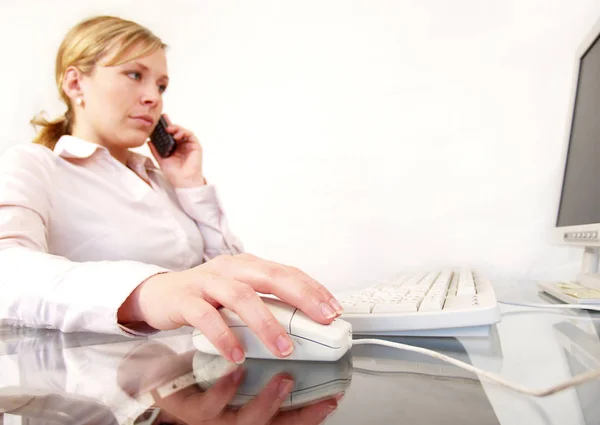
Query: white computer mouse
x: 312, y: 341
x: 313, y: 381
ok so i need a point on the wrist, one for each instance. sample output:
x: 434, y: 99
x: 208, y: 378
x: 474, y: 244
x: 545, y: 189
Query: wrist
x: 193, y: 181
x: 131, y: 310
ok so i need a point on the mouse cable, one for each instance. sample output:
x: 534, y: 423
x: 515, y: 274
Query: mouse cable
x: 584, y: 377
x: 554, y: 306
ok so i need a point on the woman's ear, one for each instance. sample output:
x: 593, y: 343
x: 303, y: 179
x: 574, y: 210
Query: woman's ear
x: 72, y: 84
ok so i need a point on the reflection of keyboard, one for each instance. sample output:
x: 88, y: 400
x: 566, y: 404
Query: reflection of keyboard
x: 442, y: 303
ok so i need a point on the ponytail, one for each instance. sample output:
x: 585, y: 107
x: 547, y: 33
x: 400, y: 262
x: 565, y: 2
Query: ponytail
x: 51, y: 130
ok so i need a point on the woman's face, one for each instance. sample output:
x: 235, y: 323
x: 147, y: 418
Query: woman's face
x: 123, y: 103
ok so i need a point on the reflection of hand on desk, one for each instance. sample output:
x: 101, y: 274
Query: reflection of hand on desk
x: 121, y: 380
x: 154, y: 374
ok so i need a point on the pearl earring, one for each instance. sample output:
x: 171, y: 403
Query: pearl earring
x: 79, y: 101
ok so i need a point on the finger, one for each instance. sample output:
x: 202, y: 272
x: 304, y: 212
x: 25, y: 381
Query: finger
x: 300, y: 275
x: 172, y: 128
x: 204, y: 317
x: 167, y: 119
x: 180, y: 134
x: 246, y: 303
x: 272, y: 278
x: 261, y: 409
x: 219, y: 395
x: 211, y: 403
x: 309, y: 415
x: 166, y: 418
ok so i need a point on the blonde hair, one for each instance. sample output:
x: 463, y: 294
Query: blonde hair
x: 83, y: 46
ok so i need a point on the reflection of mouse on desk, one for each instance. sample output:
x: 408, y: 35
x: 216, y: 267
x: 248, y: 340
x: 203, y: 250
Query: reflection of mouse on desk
x: 312, y: 340
x: 313, y: 381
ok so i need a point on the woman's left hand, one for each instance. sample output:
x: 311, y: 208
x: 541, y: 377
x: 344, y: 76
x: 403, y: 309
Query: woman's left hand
x: 184, y: 167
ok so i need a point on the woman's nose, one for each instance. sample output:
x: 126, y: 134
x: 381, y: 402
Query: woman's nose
x: 151, y: 96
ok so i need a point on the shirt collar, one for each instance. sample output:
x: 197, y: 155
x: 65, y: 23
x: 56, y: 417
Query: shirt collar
x: 73, y: 147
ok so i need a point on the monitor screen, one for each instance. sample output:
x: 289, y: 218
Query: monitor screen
x: 580, y: 199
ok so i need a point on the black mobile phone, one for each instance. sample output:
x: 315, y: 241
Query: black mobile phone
x: 163, y: 141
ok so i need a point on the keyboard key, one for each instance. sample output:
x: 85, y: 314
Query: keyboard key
x: 466, y: 285
x: 356, y: 307
x: 413, y: 280
x: 432, y: 304
x: 483, y: 285
x: 453, y: 285
x: 466, y: 278
x: 405, y: 306
x: 461, y: 302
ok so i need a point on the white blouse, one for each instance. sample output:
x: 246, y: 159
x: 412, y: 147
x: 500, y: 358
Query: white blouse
x: 79, y: 231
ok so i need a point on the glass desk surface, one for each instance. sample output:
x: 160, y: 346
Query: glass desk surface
x: 50, y: 377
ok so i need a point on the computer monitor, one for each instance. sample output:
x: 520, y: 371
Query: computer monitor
x: 578, y: 217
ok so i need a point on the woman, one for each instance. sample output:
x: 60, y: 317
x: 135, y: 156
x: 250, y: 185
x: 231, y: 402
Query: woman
x: 94, y: 237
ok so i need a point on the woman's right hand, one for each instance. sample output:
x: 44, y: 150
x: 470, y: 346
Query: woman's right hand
x: 192, y: 297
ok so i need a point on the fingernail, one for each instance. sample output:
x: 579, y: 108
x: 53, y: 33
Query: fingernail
x: 285, y: 386
x: 237, y: 355
x: 284, y: 345
x: 327, y: 311
x: 336, y: 306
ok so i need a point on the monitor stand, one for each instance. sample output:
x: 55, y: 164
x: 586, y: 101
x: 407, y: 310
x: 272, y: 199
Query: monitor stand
x: 589, y: 276
x: 585, y: 290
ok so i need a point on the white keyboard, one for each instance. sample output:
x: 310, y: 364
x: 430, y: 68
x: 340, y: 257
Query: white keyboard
x: 443, y: 303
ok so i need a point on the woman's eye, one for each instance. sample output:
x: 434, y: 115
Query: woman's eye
x: 135, y: 75
x: 162, y: 88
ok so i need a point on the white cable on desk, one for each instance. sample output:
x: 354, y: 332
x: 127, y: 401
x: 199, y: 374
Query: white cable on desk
x: 592, y: 374
x: 557, y: 306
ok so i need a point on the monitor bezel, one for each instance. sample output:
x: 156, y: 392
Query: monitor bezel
x: 585, y: 234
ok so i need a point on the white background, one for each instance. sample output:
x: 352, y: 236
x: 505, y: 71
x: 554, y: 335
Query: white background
x: 354, y: 139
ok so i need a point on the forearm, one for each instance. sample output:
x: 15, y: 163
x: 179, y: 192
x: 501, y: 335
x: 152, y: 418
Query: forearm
x: 41, y: 290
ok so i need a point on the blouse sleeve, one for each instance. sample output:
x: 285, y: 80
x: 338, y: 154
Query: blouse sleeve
x: 38, y: 289
x: 202, y: 204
